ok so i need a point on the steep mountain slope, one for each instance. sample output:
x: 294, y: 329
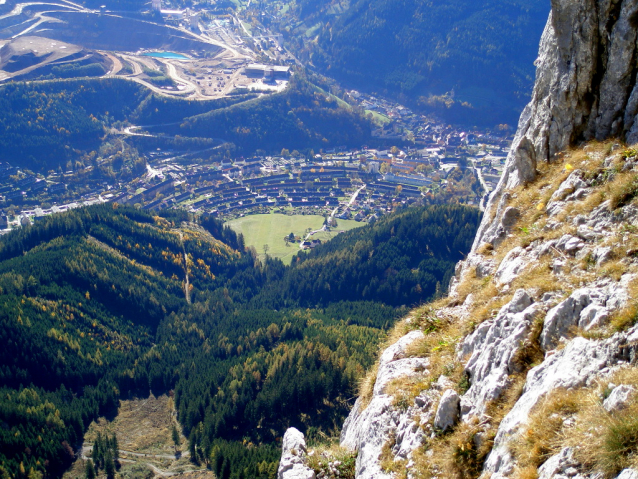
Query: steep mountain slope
x: 529, y: 368
x: 443, y: 55
x: 82, y: 296
x: 104, y: 303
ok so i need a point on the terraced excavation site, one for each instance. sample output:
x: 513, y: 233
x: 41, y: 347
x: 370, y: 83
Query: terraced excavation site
x: 176, y: 53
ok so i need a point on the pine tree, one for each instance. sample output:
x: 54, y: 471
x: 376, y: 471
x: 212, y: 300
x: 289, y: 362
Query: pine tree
x: 98, y: 452
x: 175, y: 436
x: 90, y: 470
x: 115, y: 447
x: 109, y: 465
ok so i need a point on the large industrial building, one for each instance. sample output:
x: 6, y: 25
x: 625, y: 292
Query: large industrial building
x: 267, y: 71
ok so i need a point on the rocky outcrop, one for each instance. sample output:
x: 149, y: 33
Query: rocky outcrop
x: 448, y: 411
x: 619, y: 398
x: 585, y: 308
x: 292, y: 464
x: 492, y: 350
x: 585, y: 89
x: 575, y: 366
x: 367, y: 428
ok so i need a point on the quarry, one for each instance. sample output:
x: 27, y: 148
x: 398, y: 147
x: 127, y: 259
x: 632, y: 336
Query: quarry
x: 175, y: 53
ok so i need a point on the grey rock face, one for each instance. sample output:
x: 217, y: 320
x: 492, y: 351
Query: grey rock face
x: 367, y: 430
x: 512, y: 265
x: 448, y: 411
x: 292, y: 464
x: 294, y: 442
x: 492, y: 350
x: 565, y: 315
x: 572, y: 184
x: 619, y: 398
x: 500, y: 229
x: 585, y: 88
x: 393, y: 363
x: 575, y: 366
x: 585, y: 308
x: 628, y: 474
x: 569, y: 244
x: 557, y: 464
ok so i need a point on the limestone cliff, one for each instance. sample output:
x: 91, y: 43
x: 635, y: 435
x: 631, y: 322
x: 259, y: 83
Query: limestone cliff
x: 529, y: 368
x: 585, y: 89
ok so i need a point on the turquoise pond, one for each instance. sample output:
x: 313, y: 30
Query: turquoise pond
x: 172, y: 55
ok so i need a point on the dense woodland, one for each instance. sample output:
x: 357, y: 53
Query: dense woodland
x: 94, y: 309
x: 466, y: 59
x: 57, y: 124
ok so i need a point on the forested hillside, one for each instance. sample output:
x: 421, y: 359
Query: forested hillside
x: 57, y: 124
x: 403, y: 259
x: 107, y: 302
x: 300, y: 118
x: 469, y: 60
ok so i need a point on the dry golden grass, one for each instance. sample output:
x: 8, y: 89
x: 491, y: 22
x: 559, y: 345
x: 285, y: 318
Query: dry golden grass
x: 586, y: 205
x: 425, y: 319
x: 387, y: 461
x: 613, y: 269
x: 532, y: 198
x: 366, y: 385
x: 606, y: 442
x: 627, y: 316
x: 451, y: 455
x: 487, y: 300
x: 404, y: 390
x: 544, y: 432
x: 468, y: 285
x: 540, y: 279
x: 460, y: 454
x: 622, y: 190
x: 438, y: 345
x: 530, y: 354
x: 603, y: 442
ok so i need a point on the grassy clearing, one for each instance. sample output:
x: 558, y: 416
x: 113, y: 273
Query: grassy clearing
x: 378, y: 118
x: 142, y: 426
x: 144, y: 431
x: 270, y: 229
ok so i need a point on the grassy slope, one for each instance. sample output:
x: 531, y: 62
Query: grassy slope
x: 270, y: 229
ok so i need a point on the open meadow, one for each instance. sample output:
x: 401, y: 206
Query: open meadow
x: 270, y: 229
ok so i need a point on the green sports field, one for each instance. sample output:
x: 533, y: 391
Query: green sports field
x: 270, y: 229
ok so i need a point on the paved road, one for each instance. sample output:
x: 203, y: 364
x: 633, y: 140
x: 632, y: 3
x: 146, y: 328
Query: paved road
x: 17, y: 10
x: 352, y: 200
x: 355, y: 194
x: 129, y: 131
